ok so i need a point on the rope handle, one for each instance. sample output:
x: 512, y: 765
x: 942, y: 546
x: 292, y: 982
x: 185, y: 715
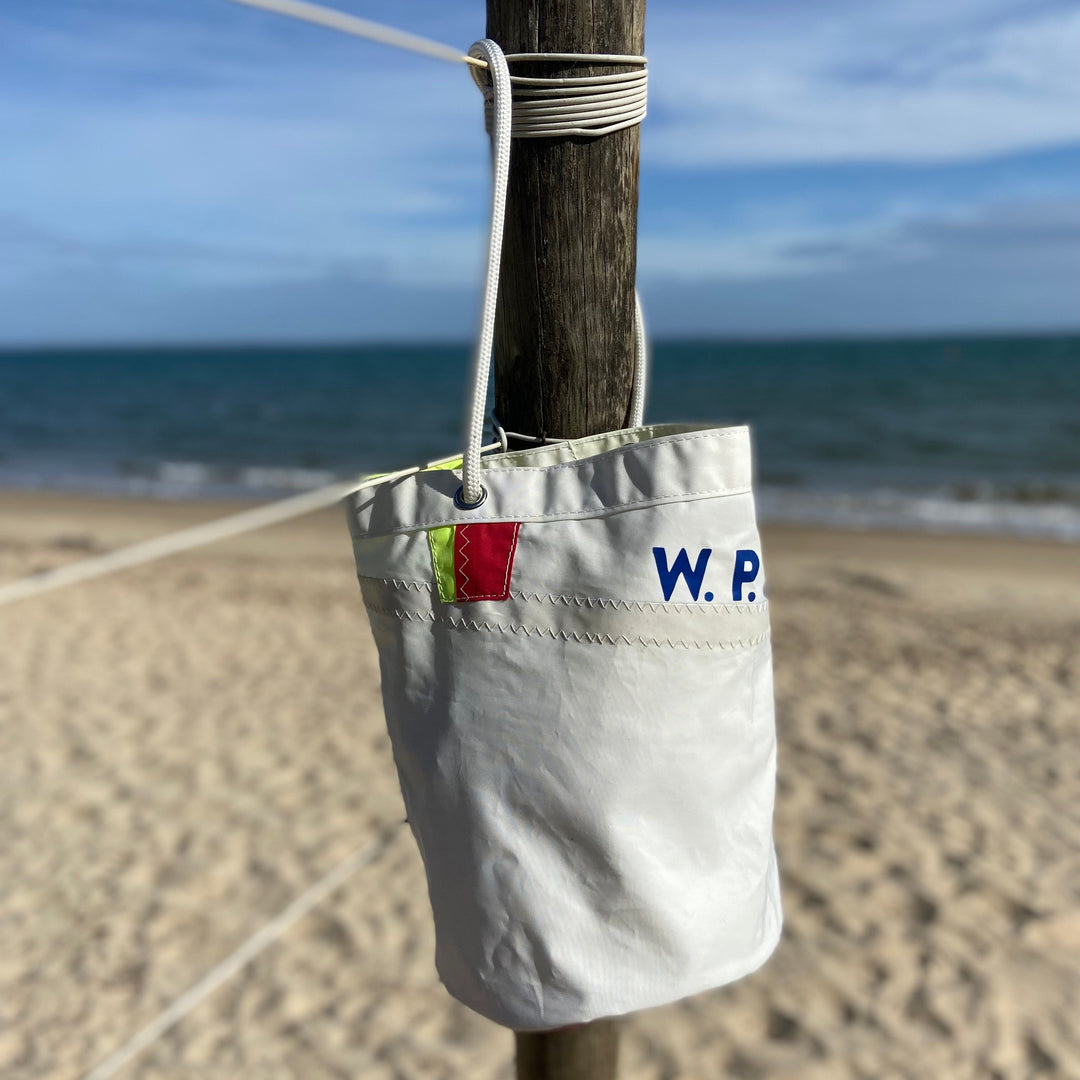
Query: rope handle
x: 622, y: 105
x: 472, y: 493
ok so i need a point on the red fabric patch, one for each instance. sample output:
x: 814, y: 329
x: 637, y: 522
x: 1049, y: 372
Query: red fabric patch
x: 483, y: 559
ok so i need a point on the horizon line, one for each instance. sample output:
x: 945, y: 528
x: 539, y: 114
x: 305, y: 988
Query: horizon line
x: 794, y: 338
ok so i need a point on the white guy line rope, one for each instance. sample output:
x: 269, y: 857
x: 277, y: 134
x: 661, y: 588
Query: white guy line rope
x: 239, y: 959
x: 197, y: 535
x: 364, y: 28
x: 333, y: 19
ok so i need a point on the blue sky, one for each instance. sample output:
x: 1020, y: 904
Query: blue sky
x: 179, y: 170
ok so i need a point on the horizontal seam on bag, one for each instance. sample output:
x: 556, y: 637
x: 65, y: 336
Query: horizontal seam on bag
x: 399, y: 583
x: 650, y: 429
x: 620, y: 451
x: 567, y: 635
x: 527, y: 519
x: 651, y: 606
x: 656, y: 607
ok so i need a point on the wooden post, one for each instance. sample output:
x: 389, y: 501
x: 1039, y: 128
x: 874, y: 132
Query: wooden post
x: 581, y: 1052
x: 564, y: 345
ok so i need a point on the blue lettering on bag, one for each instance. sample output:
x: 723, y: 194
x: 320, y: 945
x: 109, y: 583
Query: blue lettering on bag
x: 747, y: 565
x: 669, y: 576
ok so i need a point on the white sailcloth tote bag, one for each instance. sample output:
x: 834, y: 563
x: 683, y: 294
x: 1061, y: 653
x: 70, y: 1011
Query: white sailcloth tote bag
x: 576, y: 674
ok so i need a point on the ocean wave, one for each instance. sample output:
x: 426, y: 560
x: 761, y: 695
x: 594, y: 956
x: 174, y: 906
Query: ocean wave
x: 169, y: 480
x: 199, y: 478
x: 1031, y: 508
x: 940, y: 512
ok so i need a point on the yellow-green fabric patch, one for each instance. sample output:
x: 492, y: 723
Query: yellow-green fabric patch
x: 441, y: 542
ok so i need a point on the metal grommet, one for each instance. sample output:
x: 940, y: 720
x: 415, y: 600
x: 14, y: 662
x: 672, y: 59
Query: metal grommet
x: 461, y: 504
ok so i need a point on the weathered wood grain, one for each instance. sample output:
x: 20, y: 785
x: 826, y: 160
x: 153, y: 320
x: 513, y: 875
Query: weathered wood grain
x: 564, y: 342
x: 581, y: 1052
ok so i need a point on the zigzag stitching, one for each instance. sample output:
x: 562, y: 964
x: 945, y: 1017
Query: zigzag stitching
x: 651, y: 606
x: 400, y: 583
x: 462, y: 531
x: 568, y: 635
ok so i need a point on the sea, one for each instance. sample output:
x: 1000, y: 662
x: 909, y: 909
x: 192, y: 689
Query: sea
x: 950, y: 434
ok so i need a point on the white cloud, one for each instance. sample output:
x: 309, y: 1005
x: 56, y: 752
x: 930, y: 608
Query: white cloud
x: 1020, y: 233
x: 829, y: 82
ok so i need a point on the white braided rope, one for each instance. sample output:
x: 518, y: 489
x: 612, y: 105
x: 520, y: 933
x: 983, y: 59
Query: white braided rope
x: 526, y: 107
x: 641, y: 366
x: 472, y: 493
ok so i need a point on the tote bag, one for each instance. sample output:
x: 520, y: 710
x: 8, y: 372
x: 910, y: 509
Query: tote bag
x: 577, y: 681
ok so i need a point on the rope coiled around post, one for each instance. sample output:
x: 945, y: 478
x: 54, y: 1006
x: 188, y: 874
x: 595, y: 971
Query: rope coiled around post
x: 578, y: 105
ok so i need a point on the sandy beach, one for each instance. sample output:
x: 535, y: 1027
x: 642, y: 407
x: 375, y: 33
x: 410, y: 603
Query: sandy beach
x: 186, y: 747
